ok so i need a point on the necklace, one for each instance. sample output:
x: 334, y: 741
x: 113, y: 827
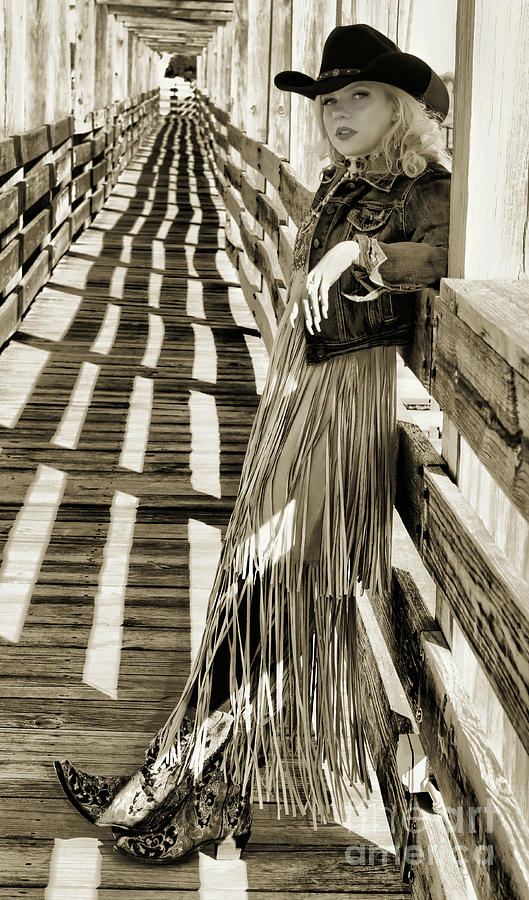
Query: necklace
x: 307, y: 226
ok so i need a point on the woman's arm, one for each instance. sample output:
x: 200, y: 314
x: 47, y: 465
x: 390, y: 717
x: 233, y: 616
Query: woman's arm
x: 422, y: 259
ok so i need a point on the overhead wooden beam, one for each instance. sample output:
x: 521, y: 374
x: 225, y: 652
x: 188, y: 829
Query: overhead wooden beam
x: 176, y: 45
x: 169, y: 27
x: 164, y: 16
x: 170, y: 4
x: 182, y: 30
x: 170, y: 39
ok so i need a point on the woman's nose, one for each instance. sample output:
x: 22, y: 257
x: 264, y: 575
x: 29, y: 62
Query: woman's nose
x: 337, y: 109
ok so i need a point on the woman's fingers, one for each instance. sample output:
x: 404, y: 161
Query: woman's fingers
x: 314, y: 309
x: 313, y: 288
x: 308, y: 317
x: 294, y: 313
x: 325, y: 299
x: 316, y: 312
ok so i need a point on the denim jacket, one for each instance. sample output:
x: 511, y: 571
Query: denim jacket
x: 401, y: 225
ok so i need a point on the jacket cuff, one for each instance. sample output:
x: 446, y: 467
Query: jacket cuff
x: 371, y: 257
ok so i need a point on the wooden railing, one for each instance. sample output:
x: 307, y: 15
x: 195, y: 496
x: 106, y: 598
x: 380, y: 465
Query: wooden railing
x: 471, y: 352
x: 53, y: 182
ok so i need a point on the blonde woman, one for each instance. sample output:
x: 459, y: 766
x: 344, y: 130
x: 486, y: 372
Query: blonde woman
x: 273, y: 706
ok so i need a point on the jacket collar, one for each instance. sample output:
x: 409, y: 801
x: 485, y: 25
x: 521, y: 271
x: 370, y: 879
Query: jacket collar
x: 384, y: 181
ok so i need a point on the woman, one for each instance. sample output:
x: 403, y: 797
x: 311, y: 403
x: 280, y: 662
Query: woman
x: 276, y: 685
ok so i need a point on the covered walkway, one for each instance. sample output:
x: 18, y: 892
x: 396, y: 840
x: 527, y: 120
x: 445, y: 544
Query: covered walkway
x: 144, y: 264
x: 126, y: 400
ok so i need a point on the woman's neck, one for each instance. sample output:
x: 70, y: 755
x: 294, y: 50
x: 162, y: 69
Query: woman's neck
x: 370, y: 162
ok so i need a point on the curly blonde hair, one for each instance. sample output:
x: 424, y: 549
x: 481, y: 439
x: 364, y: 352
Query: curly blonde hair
x: 415, y: 138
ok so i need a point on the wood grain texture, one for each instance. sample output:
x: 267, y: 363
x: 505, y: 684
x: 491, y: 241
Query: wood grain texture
x: 486, y: 399
x: 49, y: 710
x: 488, y: 599
x: 484, y: 812
x: 488, y: 240
x: 38, y: 208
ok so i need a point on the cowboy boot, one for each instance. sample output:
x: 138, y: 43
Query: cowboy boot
x: 92, y: 794
x: 126, y: 800
x: 213, y: 810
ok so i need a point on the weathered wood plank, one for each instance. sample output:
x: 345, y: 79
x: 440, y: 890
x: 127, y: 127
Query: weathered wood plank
x: 33, y: 280
x: 71, y: 659
x: 66, y: 686
x: 64, y: 715
x: 37, y: 184
x: 9, y: 265
x: 9, y: 207
x: 9, y: 317
x: 293, y: 871
x: 34, y: 233
x: 160, y: 894
x: 31, y: 144
x: 52, y: 714
x: 133, y: 637
x: 486, y: 399
x: 8, y: 160
x: 61, y: 130
x: 488, y: 599
x: 485, y: 814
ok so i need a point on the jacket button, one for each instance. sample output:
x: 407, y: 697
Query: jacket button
x: 320, y: 352
x: 329, y: 208
x: 316, y: 242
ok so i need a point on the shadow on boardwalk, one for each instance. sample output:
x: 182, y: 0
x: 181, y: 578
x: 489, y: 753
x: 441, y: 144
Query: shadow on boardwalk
x: 126, y: 401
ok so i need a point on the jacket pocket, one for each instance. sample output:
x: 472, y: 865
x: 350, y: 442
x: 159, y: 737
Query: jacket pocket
x: 369, y: 219
x: 382, y: 294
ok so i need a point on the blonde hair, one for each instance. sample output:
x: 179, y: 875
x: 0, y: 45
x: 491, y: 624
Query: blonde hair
x: 415, y: 138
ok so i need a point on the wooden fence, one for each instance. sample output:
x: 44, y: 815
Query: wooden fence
x: 471, y: 353
x: 54, y: 181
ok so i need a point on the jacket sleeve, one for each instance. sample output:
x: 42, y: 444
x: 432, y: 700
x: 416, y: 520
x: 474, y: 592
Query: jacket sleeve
x: 422, y: 259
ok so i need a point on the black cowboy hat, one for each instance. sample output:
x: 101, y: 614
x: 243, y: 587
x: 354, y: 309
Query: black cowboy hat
x: 376, y: 58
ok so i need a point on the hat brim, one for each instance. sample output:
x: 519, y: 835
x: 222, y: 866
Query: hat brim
x: 403, y: 70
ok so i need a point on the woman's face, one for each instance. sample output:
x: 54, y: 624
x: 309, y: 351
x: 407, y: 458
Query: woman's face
x: 364, y: 110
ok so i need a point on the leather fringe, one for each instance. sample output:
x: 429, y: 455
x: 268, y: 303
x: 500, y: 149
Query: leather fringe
x: 303, y: 711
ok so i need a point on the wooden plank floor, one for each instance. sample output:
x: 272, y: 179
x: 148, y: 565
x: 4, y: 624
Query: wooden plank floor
x: 126, y: 401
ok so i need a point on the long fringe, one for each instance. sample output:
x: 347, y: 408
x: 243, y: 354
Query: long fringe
x: 305, y: 712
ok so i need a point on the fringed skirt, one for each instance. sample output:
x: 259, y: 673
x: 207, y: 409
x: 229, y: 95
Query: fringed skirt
x: 312, y: 521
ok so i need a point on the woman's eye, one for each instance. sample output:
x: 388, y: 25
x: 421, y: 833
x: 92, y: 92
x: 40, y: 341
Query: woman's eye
x: 356, y: 94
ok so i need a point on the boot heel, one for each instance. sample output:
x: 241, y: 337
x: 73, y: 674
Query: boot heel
x: 231, y: 846
x: 241, y: 840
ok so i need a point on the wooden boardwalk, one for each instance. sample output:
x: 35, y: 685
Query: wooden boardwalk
x: 126, y: 400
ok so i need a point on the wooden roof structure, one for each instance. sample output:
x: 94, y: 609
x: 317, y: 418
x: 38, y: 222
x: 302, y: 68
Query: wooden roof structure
x: 172, y: 26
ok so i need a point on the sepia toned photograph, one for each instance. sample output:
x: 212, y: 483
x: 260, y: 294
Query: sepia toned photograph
x: 264, y: 450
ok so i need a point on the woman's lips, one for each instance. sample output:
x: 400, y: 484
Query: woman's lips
x: 345, y: 132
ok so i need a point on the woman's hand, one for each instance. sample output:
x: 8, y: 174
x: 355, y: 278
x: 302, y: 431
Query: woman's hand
x: 322, y: 276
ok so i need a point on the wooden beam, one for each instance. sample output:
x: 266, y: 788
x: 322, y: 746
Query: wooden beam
x: 192, y: 15
x: 12, y: 120
x: 168, y: 26
x: 180, y: 40
x: 486, y: 396
x: 183, y: 29
x: 487, y: 598
x: 489, y: 224
x: 485, y: 816
x: 170, y: 5
x: 488, y: 240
